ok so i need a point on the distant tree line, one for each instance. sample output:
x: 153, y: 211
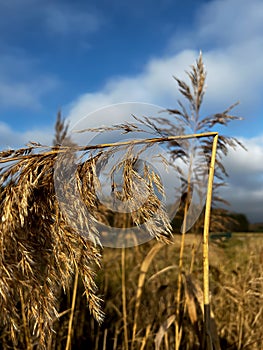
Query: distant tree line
x: 234, y: 222
x: 240, y: 224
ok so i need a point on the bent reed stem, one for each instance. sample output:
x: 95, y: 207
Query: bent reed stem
x: 207, y: 335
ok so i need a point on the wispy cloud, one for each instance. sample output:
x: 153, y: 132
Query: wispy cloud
x: 24, y: 75
x: 63, y: 17
x: 26, y: 94
x: 67, y: 19
x: 11, y: 138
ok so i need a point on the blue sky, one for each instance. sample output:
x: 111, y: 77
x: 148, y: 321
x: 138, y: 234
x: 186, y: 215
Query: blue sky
x: 53, y: 52
x: 80, y: 56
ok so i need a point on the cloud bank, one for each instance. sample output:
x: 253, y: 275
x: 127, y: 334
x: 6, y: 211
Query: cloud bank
x: 230, y: 33
x: 11, y: 138
x: 245, y: 182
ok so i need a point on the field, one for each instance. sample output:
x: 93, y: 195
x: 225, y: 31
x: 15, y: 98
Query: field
x: 139, y: 287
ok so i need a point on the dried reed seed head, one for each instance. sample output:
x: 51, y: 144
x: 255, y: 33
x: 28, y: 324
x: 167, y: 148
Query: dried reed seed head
x: 41, y: 249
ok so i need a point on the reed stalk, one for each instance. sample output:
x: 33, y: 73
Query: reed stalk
x: 124, y: 305
x: 207, y: 340
x: 73, y: 304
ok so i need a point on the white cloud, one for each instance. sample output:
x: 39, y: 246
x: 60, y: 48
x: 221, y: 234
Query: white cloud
x: 20, y: 83
x: 230, y: 79
x: 154, y: 85
x: 229, y: 21
x: 61, y: 18
x: 222, y: 23
x: 245, y: 182
x: 13, y: 139
x: 232, y: 33
x: 235, y: 74
x: 17, y: 95
x: 25, y: 94
x: 65, y: 19
x: 247, y: 161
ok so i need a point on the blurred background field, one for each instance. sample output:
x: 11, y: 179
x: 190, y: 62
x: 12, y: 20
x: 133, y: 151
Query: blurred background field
x: 236, y: 296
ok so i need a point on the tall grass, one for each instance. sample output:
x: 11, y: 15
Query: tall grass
x: 236, y: 287
x: 152, y: 294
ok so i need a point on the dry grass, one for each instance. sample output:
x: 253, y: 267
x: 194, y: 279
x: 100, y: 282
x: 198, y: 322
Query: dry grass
x: 236, y: 295
x: 40, y: 252
x: 42, y: 248
x: 50, y: 244
x: 238, y: 289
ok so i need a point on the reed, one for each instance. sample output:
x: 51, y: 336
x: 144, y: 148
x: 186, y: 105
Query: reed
x: 47, y: 264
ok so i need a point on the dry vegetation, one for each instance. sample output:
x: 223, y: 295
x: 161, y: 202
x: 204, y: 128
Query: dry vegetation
x: 152, y: 270
x: 51, y: 263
